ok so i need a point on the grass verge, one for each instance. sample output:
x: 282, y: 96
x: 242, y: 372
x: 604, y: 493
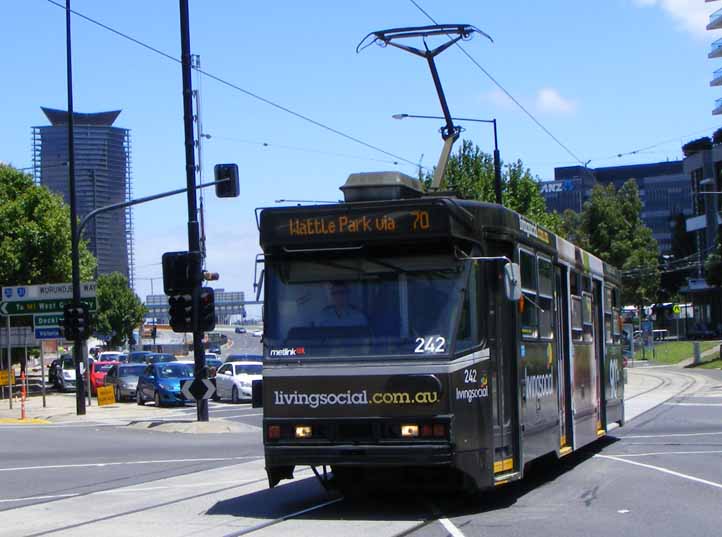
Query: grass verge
x: 672, y: 352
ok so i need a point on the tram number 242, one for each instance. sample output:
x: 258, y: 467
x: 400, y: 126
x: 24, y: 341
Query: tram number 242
x: 431, y: 344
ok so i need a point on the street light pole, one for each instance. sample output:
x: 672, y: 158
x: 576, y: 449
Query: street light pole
x: 497, y: 157
x: 199, y: 371
x: 75, y: 260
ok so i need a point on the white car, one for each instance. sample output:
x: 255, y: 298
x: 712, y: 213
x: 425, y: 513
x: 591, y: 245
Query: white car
x: 257, y: 333
x: 234, y: 380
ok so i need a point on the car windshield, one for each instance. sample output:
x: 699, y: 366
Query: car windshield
x: 353, y: 306
x: 175, y: 370
x: 213, y: 362
x: 163, y: 358
x: 138, y: 357
x: 249, y: 369
x: 68, y: 363
x: 131, y: 371
x: 103, y: 367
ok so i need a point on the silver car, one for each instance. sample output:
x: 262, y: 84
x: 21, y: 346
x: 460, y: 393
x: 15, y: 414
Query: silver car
x: 124, y: 379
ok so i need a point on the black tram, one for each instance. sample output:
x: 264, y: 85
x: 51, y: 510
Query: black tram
x: 424, y: 335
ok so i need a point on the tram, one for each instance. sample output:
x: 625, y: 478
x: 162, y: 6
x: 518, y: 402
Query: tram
x: 417, y: 334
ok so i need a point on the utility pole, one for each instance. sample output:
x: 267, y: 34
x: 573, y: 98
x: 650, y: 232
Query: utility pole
x: 196, y: 65
x: 77, y: 343
x: 193, y: 228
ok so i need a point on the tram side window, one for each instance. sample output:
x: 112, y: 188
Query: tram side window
x: 616, y: 321
x: 576, y: 303
x: 587, y: 317
x: 529, y: 313
x: 608, y: 314
x: 577, y: 318
x: 545, y: 299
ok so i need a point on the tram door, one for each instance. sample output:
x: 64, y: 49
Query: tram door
x: 601, y: 358
x: 504, y: 383
x: 563, y: 360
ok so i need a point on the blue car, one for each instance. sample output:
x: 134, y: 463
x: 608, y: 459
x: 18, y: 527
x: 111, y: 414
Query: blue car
x: 161, y: 383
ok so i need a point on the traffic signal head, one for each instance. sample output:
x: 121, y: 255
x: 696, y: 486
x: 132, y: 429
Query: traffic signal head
x: 181, y: 312
x: 230, y: 187
x: 76, y: 322
x: 207, y: 315
x: 181, y: 271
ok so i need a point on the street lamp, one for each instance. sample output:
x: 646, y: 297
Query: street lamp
x: 497, y: 158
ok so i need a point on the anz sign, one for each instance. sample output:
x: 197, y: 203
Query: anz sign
x: 552, y: 187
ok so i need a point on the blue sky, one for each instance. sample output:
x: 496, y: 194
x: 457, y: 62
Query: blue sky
x: 604, y: 77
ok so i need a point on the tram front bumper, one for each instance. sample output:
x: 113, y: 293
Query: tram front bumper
x: 360, y: 455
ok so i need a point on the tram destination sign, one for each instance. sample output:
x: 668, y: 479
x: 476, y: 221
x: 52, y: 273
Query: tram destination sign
x: 354, y: 224
x: 41, y: 306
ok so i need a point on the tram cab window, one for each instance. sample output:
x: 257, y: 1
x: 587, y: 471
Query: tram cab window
x: 529, y: 283
x: 469, y: 334
x: 332, y: 307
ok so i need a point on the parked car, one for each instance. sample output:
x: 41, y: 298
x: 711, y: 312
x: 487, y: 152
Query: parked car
x: 124, y: 379
x: 109, y: 356
x: 98, y: 372
x: 234, y: 380
x: 138, y: 357
x: 214, y: 349
x: 240, y: 330
x: 157, y: 357
x: 161, y: 383
x: 65, y: 373
x: 257, y: 333
x: 244, y: 358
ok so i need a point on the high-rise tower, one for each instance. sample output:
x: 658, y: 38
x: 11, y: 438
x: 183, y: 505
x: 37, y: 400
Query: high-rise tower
x: 102, y: 177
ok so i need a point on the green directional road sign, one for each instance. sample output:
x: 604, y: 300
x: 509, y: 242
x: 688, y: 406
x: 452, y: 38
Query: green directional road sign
x: 41, y: 306
x: 50, y: 319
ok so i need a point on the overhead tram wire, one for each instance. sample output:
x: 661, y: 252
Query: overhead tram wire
x: 506, y: 92
x: 240, y: 89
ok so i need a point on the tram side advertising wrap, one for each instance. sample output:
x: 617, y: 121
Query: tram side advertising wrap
x: 355, y: 396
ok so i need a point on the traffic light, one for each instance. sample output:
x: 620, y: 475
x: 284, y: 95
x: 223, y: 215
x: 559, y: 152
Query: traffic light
x: 230, y: 187
x: 181, y: 312
x: 76, y: 322
x: 207, y: 314
x: 181, y: 270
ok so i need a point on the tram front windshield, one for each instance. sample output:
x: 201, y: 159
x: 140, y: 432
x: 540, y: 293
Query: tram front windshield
x: 361, y: 306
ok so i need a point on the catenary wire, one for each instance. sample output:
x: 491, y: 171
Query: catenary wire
x: 239, y: 88
x: 506, y: 92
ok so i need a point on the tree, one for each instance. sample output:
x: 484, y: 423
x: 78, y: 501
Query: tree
x: 470, y: 173
x: 35, y: 224
x: 610, y: 227
x: 713, y: 264
x: 119, y: 308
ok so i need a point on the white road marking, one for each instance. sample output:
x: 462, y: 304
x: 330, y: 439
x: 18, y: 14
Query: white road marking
x: 664, y: 471
x: 242, y: 415
x: 123, y: 463
x: 671, y: 435
x: 667, y: 453
x: 693, y: 404
x: 122, y: 490
x: 449, y: 526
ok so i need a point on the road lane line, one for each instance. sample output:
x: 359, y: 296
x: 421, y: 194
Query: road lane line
x: 449, y: 526
x: 122, y: 463
x: 693, y: 404
x: 667, y: 453
x: 241, y: 416
x: 33, y: 498
x: 670, y: 435
x: 664, y: 471
x: 275, y: 521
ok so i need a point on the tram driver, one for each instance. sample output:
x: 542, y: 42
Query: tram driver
x: 340, y: 312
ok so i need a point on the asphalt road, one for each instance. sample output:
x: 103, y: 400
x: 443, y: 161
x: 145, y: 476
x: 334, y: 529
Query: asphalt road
x: 660, y: 475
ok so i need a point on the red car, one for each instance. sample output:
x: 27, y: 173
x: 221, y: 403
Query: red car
x: 98, y: 370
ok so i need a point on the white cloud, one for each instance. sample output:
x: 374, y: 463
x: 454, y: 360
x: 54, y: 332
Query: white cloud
x: 550, y: 100
x: 497, y: 98
x: 691, y: 15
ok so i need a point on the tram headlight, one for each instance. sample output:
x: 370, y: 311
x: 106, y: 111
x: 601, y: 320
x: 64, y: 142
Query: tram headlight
x: 303, y: 431
x: 409, y: 431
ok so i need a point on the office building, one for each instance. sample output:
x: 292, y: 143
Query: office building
x: 102, y: 177
x: 664, y: 190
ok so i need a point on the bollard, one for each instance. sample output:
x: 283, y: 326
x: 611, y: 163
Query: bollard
x: 23, y: 395
x: 697, y: 357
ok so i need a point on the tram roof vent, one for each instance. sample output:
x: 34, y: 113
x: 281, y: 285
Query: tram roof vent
x: 377, y: 186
